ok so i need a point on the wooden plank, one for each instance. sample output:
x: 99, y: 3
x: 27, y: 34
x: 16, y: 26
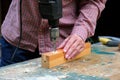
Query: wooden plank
x: 52, y: 59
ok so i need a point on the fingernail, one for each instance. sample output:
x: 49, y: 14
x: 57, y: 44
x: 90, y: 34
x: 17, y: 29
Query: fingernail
x: 66, y: 56
x: 64, y: 50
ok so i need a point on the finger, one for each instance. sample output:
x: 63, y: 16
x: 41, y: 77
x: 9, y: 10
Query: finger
x: 72, y: 48
x: 63, y: 43
x: 76, y: 52
x: 69, y: 43
x: 75, y: 49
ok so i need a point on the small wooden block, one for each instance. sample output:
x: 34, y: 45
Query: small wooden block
x: 52, y: 59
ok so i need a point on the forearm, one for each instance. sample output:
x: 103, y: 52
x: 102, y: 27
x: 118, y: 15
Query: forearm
x: 89, y: 13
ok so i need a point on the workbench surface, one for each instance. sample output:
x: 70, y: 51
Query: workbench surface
x: 102, y: 64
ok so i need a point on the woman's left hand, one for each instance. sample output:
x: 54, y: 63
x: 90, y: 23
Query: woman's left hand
x: 72, y: 46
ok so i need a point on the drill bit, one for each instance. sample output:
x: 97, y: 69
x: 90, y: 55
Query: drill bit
x: 54, y: 46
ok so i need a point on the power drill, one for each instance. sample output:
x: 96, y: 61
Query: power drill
x: 52, y: 10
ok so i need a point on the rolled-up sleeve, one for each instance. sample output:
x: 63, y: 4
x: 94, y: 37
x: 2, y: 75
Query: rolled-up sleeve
x: 89, y: 13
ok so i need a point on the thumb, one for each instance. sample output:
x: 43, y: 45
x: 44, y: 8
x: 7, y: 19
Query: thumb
x: 62, y: 44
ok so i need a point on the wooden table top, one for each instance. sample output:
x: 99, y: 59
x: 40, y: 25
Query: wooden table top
x: 102, y: 64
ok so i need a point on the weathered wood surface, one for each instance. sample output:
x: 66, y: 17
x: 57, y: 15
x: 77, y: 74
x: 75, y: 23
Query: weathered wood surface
x: 102, y: 64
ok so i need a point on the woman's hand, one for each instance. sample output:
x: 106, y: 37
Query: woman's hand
x: 72, y: 46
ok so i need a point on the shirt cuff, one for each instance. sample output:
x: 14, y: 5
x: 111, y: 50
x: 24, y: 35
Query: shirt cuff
x: 81, y: 31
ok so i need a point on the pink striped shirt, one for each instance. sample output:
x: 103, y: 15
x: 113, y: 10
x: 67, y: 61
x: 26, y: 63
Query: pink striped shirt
x: 35, y: 31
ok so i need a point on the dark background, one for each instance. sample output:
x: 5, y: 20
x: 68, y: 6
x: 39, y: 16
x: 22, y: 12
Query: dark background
x: 107, y: 25
x: 109, y: 22
x: 4, y: 7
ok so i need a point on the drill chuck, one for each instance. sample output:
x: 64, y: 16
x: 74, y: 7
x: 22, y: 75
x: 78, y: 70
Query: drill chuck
x: 54, y: 34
